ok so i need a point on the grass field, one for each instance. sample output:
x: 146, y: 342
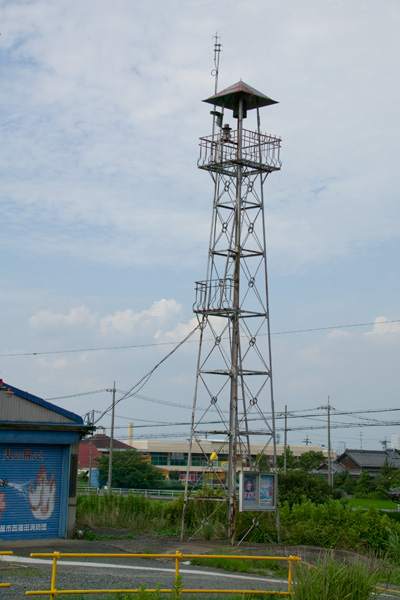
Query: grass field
x: 366, y: 503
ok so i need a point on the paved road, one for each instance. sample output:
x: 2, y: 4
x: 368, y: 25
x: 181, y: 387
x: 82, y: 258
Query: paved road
x: 113, y: 573
x: 121, y: 573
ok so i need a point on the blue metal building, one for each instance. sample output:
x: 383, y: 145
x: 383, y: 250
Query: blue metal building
x: 38, y: 466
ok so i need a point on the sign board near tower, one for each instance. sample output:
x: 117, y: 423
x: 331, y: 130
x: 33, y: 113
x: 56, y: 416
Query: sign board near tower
x: 257, y: 491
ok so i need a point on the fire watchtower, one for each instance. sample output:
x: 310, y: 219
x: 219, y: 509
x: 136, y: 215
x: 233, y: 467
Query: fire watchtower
x: 234, y: 374
x: 254, y: 151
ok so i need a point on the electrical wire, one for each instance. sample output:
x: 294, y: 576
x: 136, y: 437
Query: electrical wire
x: 142, y: 382
x: 76, y: 395
x: 129, y: 347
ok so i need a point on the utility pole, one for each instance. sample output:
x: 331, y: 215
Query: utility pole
x: 307, y: 441
x: 111, y: 441
x: 91, y: 453
x: 285, y: 441
x: 328, y: 408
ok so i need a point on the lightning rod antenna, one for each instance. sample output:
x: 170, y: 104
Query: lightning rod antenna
x: 217, y: 52
x: 215, y: 73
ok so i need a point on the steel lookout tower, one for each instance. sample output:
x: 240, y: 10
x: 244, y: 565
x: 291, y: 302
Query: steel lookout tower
x: 233, y: 399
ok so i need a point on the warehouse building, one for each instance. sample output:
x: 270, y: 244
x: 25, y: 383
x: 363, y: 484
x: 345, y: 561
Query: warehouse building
x: 172, y: 456
x: 38, y: 466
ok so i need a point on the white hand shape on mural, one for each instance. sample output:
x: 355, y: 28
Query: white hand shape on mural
x: 42, y: 499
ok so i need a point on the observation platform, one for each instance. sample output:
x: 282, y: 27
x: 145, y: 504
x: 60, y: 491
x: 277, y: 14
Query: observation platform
x: 260, y: 153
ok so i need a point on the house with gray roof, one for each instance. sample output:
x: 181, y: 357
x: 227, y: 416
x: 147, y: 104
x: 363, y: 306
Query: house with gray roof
x: 358, y: 461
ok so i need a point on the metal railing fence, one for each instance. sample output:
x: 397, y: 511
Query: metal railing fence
x: 177, y: 557
x: 167, y: 494
x: 5, y: 554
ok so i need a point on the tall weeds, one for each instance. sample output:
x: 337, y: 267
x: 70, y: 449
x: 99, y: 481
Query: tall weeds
x: 330, y: 525
x: 332, y: 580
x: 131, y: 512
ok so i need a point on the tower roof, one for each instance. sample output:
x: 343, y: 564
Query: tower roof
x: 229, y: 97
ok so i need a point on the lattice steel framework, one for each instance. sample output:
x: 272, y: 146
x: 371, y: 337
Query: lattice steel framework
x: 234, y: 371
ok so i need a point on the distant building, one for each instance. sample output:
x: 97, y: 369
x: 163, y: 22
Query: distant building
x: 356, y: 462
x: 172, y: 456
x: 39, y: 462
x: 102, y: 442
x: 92, y: 448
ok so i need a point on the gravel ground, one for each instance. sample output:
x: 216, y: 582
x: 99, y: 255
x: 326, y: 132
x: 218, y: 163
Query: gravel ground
x: 149, y: 572
x: 89, y: 578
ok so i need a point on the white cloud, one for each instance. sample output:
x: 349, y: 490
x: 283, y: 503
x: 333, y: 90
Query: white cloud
x: 179, y: 332
x: 384, y: 327
x: 103, y: 127
x: 161, y: 314
x: 46, y: 319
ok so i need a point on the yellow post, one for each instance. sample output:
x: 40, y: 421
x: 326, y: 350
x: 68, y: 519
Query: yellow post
x: 53, y: 575
x: 292, y: 559
x: 7, y: 553
x: 289, y: 588
x: 178, y: 556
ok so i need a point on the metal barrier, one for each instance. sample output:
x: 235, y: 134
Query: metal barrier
x: 165, y: 494
x: 53, y: 591
x: 5, y: 554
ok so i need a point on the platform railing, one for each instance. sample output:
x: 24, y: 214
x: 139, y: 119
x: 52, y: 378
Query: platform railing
x: 5, y: 554
x: 177, y: 589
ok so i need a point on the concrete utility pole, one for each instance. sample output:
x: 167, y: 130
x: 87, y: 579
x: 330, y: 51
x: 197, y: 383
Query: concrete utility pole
x: 285, y: 442
x: 328, y: 408
x: 111, y: 441
x: 91, y: 452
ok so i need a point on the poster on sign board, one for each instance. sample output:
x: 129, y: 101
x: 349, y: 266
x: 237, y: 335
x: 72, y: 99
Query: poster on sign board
x: 256, y: 490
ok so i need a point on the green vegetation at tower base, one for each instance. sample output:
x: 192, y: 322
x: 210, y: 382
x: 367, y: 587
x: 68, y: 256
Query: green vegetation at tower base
x: 332, y: 524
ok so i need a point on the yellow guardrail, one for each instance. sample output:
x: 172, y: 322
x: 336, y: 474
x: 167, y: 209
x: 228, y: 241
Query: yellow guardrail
x: 178, y: 556
x: 5, y: 554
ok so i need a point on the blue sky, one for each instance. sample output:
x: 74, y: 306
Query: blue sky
x: 105, y: 217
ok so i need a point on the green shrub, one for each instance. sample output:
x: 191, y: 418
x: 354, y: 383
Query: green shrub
x: 334, y: 525
x: 329, y: 525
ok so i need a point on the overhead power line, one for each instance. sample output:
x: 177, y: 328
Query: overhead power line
x: 142, y: 382
x: 76, y: 395
x: 153, y: 344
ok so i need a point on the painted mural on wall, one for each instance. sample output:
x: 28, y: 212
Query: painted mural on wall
x: 30, y: 483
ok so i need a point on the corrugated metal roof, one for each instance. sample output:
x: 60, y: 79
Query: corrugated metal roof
x: 228, y: 97
x: 19, y: 406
